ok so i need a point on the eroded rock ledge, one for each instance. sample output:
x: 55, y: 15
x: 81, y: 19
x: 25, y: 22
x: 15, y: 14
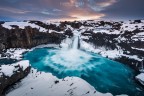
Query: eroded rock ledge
x: 10, y: 74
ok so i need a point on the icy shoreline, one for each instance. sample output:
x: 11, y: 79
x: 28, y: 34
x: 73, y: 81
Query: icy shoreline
x: 36, y: 81
x: 40, y: 83
x: 112, y: 54
x: 17, y: 53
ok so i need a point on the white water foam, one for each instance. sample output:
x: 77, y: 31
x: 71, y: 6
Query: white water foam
x: 70, y: 58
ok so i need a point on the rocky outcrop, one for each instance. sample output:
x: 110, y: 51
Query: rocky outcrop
x: 27, y: 37
x: 123, y: 38
x: 18, y: 73
x: 140, y: 79
x: 110, y: 42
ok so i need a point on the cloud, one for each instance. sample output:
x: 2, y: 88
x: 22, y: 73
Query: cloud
x: 13, y: 10
x: 69, y: 9
x: 53, y: 9
x: 57, y: 10
x: 106, y: 3
x: 85, y: 14
x: 47, y: 13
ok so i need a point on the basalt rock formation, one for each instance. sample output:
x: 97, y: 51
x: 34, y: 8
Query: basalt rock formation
x: 108, y: 34
x: 6, y: 81
x: 118, y: 35
x: 27, y: 37
x: 126, y: 39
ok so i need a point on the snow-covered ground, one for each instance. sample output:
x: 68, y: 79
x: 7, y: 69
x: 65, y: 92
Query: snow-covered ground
x: 129, y: 26
x: 22, y: 25
x: 14, y: 53
x: 17, y: 53
x: 112, y: 54
x: 8, y: 70
x: 45, y: 84
x: 101, y: 50
x: 138, y: 36
x: 140, y: 78
x: 141, y: 49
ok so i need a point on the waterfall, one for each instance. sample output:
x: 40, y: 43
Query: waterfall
x: 71, y: 43
x: 75, y: 42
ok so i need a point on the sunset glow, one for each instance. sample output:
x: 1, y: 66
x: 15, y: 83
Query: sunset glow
x: 70, y: 9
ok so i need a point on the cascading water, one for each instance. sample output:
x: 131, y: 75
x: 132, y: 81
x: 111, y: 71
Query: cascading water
x: 105, y: 75
x: 70, y: 58
x: 75, y: 42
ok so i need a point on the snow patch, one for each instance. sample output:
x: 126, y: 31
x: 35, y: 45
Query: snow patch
x: 14, y: 53
x: 8, y: 70
x: 17, y: 53
x: 140, y: 78
x: 22, y: 25
x: 101, y: 50
x: 44, y: 84
x: 140, y: 49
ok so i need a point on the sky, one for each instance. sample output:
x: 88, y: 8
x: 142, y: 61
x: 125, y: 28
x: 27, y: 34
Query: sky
x: 70, y: 10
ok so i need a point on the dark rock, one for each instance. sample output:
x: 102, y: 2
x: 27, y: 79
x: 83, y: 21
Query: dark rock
x: 56, y: 82
x: 27, y: 37
x: 131, y: 62
x: 113, y: 41
x: 6, y: 81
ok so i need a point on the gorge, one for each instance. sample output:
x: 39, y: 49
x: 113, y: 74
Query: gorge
x: 104, y: 74
x: 84, y: 49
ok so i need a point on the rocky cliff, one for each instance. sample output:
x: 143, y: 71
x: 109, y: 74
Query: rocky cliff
x: 125, y: 37
x: 27, y: 37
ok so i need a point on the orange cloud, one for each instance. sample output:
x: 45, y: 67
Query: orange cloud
x: 75, y: 12
x: 69, y: 10
x: 81, y: 14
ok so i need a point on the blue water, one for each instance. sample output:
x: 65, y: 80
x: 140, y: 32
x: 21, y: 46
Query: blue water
x: 7, y: 61
x: 104, y: 74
